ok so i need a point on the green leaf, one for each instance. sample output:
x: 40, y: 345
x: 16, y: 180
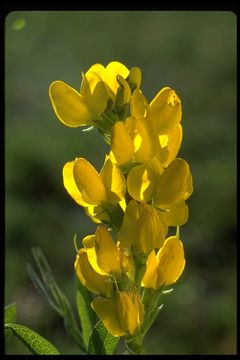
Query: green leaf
x: 10, y: 316
x: 84, y: 315
x: 10, y: 313
x: 49, y: 289
x: 101, y: 342
x: 32, y: 340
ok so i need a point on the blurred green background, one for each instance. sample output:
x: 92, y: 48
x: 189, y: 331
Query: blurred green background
x: 193, y: 52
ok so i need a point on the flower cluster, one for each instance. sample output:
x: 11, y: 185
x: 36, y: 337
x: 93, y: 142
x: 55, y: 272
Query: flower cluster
x: 139, y: 193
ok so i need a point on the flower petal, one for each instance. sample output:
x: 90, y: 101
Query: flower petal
x: 89, y: 182
x: 172, y: 183
x: 113, y: 69
x: 68, y: 105
x: 70, y: 185
x: 98, y: 284
x: 106, y: 310
x: 177, y: 214
x: 165, y: 110
x: 140, y: 183
x: 113, y: 181
x: 127, y: 230
x: 150, y: 231
x: 146, y: 143
x: 171, y: 261
x: 107, y: 253
x: 94, y: 91
x: 121, y: 143
x: 138, y: 104
x: 151, y: 274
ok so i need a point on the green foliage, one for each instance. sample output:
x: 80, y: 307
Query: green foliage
x: 32, y: 340
x: 101, y: 342
x: 83, y: 299
x: 10, y: 315
x: 49, y: 289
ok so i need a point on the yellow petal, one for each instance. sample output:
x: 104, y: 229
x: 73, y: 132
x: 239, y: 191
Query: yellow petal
x: 127, y: 311
x: 121, y: 143
x: 151, y: 274
x: 138, y: 104
x: 106, y: 310
x: 150, y: 231
x: 171, y: 185
x: 89, y: 182
x: 171, y: 261
x: 94, y: 91
x: 98, y: 69
x: 174, y: 142
x: 70, y: 185
x: 68, y: 105
x: 107, y: 253
x: 146, y: 143
x: 89, y: 245
x: 113, y: 69
x: 134, y: 77
x: 98, y: 284
x: 113, y: 181
x: 140, y: 183
x: 165, y: 110
x: 123, y: 95
x: 127, y: 230
x: 177, y: 214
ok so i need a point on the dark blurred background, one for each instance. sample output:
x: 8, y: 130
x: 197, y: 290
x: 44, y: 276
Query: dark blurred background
x: 193, y: 52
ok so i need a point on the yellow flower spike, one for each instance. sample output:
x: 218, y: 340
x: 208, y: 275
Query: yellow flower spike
x: 150, y: 231
x: 107, y: 253
x: 140, y: 183
x: 173, y: 183
x: 113, y: 181
x: 120, y: 316
x: 89, y: 182
x: 145, y: 140
x: 106, y: 310
x: 94, y: 91
x: 165, y: 110
x: 138, y: 104
x: 69, y: 105
x: 70, y: 185
x: 166, y: 267
x: 121, y: 144
x: 98, y: 284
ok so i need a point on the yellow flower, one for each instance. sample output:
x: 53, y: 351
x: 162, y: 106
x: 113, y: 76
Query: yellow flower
x: 87, y: 187
x: 165, y: 188
x: 165, y: 267
x: 75, y: 108
x: 91, y: 279
x: 122, y: 315
x: 103, y: 254
x: 134, y: 141
x: 165, y: 110
x: 142, y: 228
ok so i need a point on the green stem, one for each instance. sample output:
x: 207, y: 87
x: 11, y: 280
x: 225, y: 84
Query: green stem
x: 135, y: 345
